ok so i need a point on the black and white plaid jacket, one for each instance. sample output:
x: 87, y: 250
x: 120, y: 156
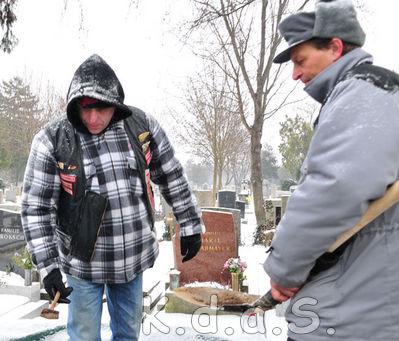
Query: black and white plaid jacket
x: 127, y: 244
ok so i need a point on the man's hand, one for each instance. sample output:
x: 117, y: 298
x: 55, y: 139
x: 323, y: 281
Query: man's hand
x: 282, y: 294
x: 53, y: 283
x: 189, y: 246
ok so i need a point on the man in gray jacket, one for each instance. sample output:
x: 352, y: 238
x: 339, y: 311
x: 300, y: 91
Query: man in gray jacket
x: 352, y: 160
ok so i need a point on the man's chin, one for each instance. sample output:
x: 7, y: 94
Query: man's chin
x: 94, y: 131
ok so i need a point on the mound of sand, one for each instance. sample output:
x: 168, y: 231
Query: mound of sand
x: 202, y: 296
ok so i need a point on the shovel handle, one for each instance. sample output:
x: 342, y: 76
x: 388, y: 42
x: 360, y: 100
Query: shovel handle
x: 377, y: 207
x: 56, y: 298
x: 266, y: 302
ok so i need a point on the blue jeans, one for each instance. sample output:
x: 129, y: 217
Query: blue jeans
x: 124, y: 303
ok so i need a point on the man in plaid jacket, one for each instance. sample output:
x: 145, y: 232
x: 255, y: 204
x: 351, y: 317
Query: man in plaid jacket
x: 86, y: 205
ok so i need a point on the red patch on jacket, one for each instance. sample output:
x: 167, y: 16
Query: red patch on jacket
x: 67, y: 182
x: 149, y: 190
x: 148, y: 156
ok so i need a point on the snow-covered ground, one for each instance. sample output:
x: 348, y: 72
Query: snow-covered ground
x: 161, y: 325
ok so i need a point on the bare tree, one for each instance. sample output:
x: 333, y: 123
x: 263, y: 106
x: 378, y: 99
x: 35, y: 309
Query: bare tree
x: 8, y: 18
x: 211, y: 126
x: 246, y: 39
x: 52, y: 103
x: 238, y: 163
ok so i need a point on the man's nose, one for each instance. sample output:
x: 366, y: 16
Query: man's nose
x: 93, y: 114
x: 296, y: 73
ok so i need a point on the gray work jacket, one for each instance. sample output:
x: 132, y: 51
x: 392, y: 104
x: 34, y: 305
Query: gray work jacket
x: 353, y: 158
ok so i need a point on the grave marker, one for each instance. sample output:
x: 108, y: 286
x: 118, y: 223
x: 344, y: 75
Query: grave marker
x: 218, y: 245
x: 227, y: 199
x: 241, y: 206
x: 11, y: 238
x: 236, y: 217
x: 11, y: 195
x: 204, y: 198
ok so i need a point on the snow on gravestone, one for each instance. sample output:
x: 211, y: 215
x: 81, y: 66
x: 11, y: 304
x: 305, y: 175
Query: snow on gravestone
x: 218, y: 245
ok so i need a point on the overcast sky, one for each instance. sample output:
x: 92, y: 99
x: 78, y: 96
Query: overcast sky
x: 138, y: 43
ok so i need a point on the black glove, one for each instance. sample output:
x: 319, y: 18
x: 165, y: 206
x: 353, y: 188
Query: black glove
x: 53, y: 283
x: 189, y: 246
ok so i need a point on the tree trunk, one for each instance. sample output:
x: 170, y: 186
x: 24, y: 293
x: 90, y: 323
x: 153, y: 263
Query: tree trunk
x: 256, y: 176
x: 215, y: 179
x: 237, y: 183
x: 220, y: 175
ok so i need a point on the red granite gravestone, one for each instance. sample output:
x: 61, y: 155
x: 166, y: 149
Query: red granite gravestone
x: 218, y: 245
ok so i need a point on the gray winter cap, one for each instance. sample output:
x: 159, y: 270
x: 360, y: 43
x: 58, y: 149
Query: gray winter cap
x: 331, y: 19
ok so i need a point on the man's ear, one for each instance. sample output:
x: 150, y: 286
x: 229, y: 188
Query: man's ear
x: 337, y: 47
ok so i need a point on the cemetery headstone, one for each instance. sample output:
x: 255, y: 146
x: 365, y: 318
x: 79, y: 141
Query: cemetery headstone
x: 218, y: 245
x: 227, y: 199
x: 242, y: 196
x: 12, y: 238
x: 241, y: 206
x: 204, y: 198
x: 236, y: 217
x: 11, y: 195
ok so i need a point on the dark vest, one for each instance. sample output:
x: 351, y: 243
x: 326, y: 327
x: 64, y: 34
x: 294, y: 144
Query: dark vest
x: 79, y: 211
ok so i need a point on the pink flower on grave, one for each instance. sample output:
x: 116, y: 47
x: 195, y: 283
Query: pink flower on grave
x: 235, y: 265
x: 226, y: 265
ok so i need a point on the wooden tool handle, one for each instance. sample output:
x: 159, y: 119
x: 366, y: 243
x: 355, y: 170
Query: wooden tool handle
x: 377, y: 207
x: 56, y: 298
